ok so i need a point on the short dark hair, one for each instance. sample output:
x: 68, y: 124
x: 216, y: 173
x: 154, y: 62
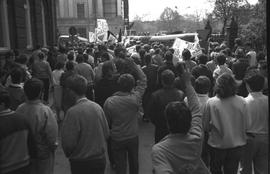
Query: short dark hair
x: 22, y: 59
x: 32, y: 88
x: 221, y: 59
x: 137, y: 47
x: 254, y: 80
x: 107, y: 67
x: 105, y: 56
x: 202, y: 85
x: 168, y: 56
x: 69, y: 65
x: 167, y: 77
x: 178, y: 117
x: 186, y: 54
x: 180, y: 67
x: 126, y: 82
x: 79, y: 58
x: 17, y: 75
x: 70, y: 56
x: 225, y: 86
x: 59, y: 65
x: 147, y: 58
x: 41, y: 55
x: 203, y: 59
x: 77, y: 83
x: 4, y: 97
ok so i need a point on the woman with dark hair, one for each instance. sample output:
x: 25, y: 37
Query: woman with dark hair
x: 225, y: 121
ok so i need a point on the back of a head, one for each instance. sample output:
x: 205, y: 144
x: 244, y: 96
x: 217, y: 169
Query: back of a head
x: 221, y: 59
x: 178, y: 117
x: 167, y: 78
x: 148, y: 59
x: 186, y: 54
x: 69, y: 66
x: 33, y: 88
x: 168, y: 56
x: 202, y: 85
x: 77, y: 84
x: 105, y: 57
x: 41, y: 56
x: 70, y: 56
x: 17, y: 75
x: 137, y: 47
x: 22, y: 59
x: 59, y: 65
x: 254, y: 80
x: 239, y: 53
x: 79, y: 58
x: 225, y: 86
x: 107, y: 68
x: 203, y: 59
x: 4, y: 97
x: 180, y: 67
x: 126, y: 82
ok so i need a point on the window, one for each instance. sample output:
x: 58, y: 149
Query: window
x: 82, y: 32
x: 4, y: 32
x: 28, y: 25
x: 43, y: 25
x: 80, y: 10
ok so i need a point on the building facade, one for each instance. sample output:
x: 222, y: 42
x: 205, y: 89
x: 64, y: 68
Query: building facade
x: 24, y: 24
x: 82, y: 14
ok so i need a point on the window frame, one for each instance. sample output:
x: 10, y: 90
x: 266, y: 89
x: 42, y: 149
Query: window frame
x: 5, y: 28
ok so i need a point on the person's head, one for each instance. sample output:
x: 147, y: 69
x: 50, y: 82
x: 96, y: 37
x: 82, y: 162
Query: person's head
x: 108, y: 68
x: 70, y: 56
x: 180, y: 67
x: 202, y: 85
x: 79, y: 58
x: 59, y: 65
x: 168, y: 56
x: 262, y: 67
x: 248, y: 46
x: 171, y: 50
x: 77, y: 84
x: 41, y: 56
x: 10, y: 56
x: 202, y: 59
x: 136, y: 58
x: 137, y: 47
x: 178, y: 117
x: 69, y: 66
x: 228, y: 51
x: 4, y: 99
x: 105, y: 57
x: 126, y: 82
x: 167, y: 78
x: 17, y: 75
x: 238, y: 42
x: 260, y: 56
x: 142, y: 53
x: 254, y: 81
x: 148, y: 59
x: 22, y: 59
x: 186, y: 54
x: 33, y: 89
x: 239, y: 53
x: 225, y: 86
x: 221, y: 59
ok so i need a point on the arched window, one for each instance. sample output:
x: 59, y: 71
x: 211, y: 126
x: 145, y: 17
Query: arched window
x: 4, y: 29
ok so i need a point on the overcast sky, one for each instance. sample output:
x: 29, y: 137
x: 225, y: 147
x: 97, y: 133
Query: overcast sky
x: 151, y: 9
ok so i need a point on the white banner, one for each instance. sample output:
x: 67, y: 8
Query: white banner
x: 180, y: 44
x: 92, y: 37
x: 102, y: 30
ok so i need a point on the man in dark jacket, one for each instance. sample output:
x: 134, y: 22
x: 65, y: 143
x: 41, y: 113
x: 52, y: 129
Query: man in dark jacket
x: 158, y: 102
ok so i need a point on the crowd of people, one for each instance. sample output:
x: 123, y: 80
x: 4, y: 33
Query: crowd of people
x: 210, y: 111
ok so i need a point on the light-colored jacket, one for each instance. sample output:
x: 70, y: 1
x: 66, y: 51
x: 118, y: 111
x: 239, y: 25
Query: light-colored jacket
x: 43, y: 126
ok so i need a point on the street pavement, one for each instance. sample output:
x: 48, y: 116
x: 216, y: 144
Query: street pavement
x: 146, y: 141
